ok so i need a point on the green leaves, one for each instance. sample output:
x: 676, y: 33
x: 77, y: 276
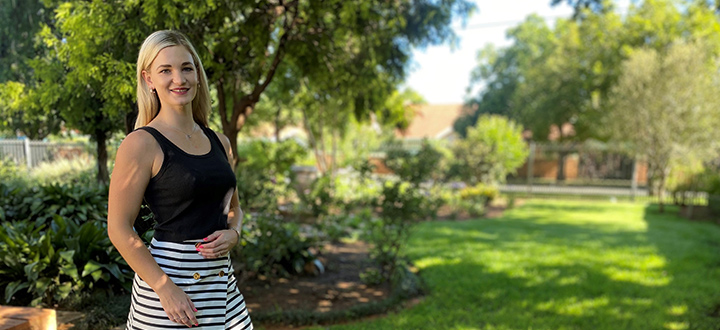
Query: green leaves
x: 665, y: 107
x: 492, y: 149
x: 94, y: 269
x: 14, y: 287
x: 416, y: 166
x: 55, y: 244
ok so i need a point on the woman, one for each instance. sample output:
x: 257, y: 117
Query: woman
x: 182, y: 170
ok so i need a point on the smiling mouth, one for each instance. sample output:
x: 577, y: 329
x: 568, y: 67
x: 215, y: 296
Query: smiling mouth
x: 180, y: 90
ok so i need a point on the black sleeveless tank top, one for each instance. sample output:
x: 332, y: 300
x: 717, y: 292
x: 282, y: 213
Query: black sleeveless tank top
x: 190, y: 195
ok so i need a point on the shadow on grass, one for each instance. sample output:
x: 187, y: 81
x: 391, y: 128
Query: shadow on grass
x: 693, y: 252
x: 569, y: 297
x: 517, y: 272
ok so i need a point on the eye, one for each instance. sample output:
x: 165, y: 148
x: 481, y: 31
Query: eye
x: 188, y: 69
x: 165, y: 71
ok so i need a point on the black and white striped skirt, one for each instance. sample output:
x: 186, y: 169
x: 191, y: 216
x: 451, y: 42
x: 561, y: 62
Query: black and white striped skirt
x: 210, y: 283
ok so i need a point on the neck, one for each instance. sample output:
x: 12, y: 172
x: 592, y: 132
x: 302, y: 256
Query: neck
x: 181, y: 119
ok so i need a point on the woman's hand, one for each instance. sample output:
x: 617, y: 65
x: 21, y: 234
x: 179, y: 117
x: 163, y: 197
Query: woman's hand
x: 218, y: 244
x: 177, y: 305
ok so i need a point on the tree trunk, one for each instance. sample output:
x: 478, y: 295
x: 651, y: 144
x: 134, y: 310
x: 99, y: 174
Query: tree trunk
x: 320, y: 142
x: 243, y: 105
x: 277, y: 123
x: 561, y: 165
x: 312, y: 141
x: 333, y: 164
x: 232, y: 136
x: 102, y: 156
x: 661, y: 195
x: 664, y: 173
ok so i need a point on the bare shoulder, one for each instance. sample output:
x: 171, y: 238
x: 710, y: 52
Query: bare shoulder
x: 139, y: 144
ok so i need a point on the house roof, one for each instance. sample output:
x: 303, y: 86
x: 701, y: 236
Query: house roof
x: 432, y: 121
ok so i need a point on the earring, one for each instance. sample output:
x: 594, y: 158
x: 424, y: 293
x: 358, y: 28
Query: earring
x: 152, y: 90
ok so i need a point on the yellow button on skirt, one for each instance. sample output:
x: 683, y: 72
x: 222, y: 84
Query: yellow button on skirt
x: 220, y: 304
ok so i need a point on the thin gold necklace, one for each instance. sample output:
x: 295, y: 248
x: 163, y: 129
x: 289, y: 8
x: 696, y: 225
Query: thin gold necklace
x: 181, y: 131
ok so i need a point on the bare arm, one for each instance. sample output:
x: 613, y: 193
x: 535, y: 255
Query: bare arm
x: 133, y: 170
x: 221, y: 242
x: 235, y: 216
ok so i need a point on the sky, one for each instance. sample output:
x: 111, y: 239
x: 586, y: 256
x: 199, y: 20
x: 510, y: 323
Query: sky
x: 442, y: 75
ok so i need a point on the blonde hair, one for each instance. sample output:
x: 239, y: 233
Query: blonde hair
x: 149, y: 103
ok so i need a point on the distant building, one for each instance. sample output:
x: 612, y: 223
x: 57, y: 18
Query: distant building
x: 432, y: 121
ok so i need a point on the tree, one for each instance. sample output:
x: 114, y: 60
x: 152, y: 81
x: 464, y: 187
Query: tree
x: 19, y: 21
x: 547, y: 78
x: 96, y: 85
x: 550, y: 78
x: 665, y: 106
x: 493, y: 148
x: 242, y: 45
x: 367, y: 40
x: 582, y: 7
x: 21, y: 109
x: 605, y: 5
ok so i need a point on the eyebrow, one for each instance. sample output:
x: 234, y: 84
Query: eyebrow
x: 170, y: 66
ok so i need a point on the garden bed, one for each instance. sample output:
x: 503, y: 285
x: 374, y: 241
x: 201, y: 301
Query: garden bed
x: 338, y: 288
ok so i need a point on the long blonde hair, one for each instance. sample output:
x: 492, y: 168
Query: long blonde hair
x: 149, y: 103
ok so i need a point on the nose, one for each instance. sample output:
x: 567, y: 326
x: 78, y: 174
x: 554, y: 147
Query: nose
x: 178, y: 78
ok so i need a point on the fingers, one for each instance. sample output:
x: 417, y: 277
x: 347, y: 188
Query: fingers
x: 213, y: 253
x: 189, y: 318
x: 212, y: 236
x: 216, y: 247
x: 185, y: 315
x: 186, y: 318
x: 178, y: 306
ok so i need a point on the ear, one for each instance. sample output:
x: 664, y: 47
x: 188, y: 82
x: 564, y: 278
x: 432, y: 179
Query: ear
x: 148, y: 80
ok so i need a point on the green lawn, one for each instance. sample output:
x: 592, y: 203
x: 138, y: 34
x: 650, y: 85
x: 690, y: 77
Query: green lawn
x: 565, y: 265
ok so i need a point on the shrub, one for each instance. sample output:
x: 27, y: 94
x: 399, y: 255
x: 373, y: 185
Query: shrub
x: 335, y: 227
x: 480, y: 193
x: 8, y: 170
x: 318, y: 198
x: 415, y: 167
x: 264, y: 176
x: 43, y: 265
x: 684, y: 180
x: 492, y: 149
x: 76, y: 171
x: 78, y: 203
x: 400, y: 207
x: 272, y: 247
x: 356, y: 189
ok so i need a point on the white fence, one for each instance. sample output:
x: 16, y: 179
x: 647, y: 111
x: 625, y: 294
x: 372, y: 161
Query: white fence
x: 31, y: 153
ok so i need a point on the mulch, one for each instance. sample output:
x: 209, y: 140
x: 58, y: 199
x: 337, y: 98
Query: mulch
x: 338, y: 288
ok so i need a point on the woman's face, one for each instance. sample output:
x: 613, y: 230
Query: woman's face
x: 174, y: 77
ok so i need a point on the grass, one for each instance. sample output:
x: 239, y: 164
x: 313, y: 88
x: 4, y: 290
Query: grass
x: 565, y: 265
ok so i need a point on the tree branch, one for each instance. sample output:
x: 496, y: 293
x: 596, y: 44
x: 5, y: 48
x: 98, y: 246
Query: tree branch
x: 222, y: 104
x: 279, y: 54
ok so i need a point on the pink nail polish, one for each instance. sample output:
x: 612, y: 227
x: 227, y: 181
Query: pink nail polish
x: 205, y: 239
